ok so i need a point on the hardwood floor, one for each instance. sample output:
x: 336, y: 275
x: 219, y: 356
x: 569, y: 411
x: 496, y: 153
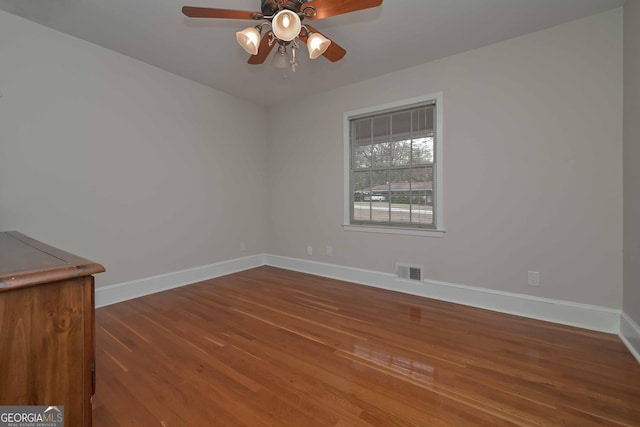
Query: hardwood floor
x: 270, y: 347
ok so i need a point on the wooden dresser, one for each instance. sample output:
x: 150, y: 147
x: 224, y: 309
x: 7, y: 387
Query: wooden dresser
x: 46, y: 327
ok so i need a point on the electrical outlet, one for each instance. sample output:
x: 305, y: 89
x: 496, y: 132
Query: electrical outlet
x: 329, y: 250
x: 533, y: 278
x: 309, y: 250
x: 243, y: 247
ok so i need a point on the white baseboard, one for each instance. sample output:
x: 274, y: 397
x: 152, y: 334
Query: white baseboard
x: 106, y: 295
x: 564, y: 312
x: 630, y: 335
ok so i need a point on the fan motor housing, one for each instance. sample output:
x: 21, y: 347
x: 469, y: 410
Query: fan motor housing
x: 271, y: 7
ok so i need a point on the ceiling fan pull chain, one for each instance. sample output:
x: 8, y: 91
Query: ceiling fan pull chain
x: 293, y: 62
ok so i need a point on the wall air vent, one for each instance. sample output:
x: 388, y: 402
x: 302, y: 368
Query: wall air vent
x: 410, y: 272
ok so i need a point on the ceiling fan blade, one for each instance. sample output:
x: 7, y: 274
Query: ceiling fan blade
x: 209, y: 12
x: 334, y: 52
x: 263, y: 50
x: 327, y: 8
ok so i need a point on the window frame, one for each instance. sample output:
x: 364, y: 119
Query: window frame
x: 437, y: 230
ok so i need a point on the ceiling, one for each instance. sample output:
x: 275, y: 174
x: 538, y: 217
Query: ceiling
x: 396, y: 35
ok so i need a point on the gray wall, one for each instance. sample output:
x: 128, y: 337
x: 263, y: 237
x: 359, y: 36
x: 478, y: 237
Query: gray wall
x: 124, y: 163
x: 632, y: 159
x: 533, y: 156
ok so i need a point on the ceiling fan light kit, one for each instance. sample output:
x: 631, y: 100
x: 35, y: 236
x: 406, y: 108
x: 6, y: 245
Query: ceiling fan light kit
x: 249, y: 39
x: 286, y: 25
x: 317, y: 45
x: 285, y: 17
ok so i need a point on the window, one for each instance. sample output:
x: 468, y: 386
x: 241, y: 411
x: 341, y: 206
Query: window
x: 393, y: 157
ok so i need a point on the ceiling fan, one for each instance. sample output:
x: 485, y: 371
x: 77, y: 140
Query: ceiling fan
x: 283, y: 19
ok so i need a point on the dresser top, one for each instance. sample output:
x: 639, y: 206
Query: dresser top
x: 27, y: 262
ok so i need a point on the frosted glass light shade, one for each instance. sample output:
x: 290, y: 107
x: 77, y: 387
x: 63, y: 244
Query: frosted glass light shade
x: 286, y: 25
x: 281, y: 59
x: 317, y: 44
x: 249, y: 39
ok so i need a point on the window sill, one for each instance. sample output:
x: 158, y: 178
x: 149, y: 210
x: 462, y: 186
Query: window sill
x: 395, y: 230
